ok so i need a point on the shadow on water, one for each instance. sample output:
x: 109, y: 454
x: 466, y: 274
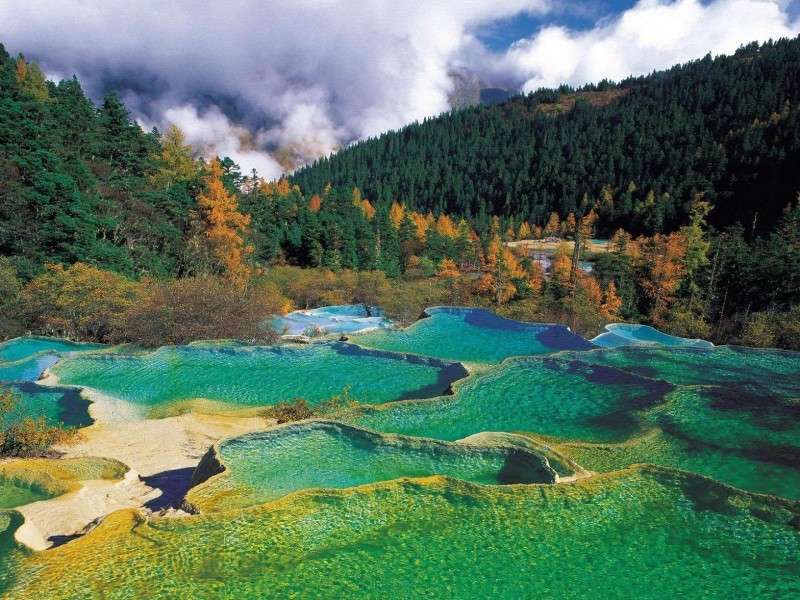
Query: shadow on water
x: 73, y: 408
x: 448, y: 371
x: 173, y: 485
x: 60, y: 540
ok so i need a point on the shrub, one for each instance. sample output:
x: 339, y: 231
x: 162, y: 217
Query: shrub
x: 201, y: 308
x: 287, y: 412
x: 80, y: 301
x: 28, y: 436
x: 299, y: 408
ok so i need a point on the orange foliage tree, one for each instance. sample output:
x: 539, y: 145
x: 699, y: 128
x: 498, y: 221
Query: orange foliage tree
x: 397, y: 213
x: 662, y: 261
x: 223, y: 228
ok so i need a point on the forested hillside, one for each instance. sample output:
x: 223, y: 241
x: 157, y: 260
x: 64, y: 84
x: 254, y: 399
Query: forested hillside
x: 105, y: 229
x: 725, y: 128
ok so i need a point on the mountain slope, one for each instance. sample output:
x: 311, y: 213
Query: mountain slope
x: 726, y: 128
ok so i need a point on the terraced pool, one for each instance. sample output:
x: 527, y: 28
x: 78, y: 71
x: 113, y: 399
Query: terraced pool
x: 473, y: 335
x: 621, y: 535
x: 261, y: 467
x: 240, y: 377
x: 549, y: 396
x: 413, y: 493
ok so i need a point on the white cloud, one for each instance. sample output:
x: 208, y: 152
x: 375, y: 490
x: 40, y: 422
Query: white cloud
x: 653, y: 34
x: 264, y: 81
x: 305, y: 74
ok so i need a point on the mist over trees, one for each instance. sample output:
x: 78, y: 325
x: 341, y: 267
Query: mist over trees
x: 108, y: 232
x: 725, y: 128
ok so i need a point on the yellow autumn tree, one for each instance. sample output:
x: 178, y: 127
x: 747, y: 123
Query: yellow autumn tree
x: 570, y: 224
x: 524, y: 231
x: 397, y: 213
x: 421, y: 225
x: 176, y: 162
x: 446, y: 227
x: 448, y: 270
x: 612, y: 303
x: 662, y: 269
x: 31, y: 79
x: 553, y: 227
x: 367, y: 209
x: 282, y: 187
x: 223, y: 228
x: 536, y: 277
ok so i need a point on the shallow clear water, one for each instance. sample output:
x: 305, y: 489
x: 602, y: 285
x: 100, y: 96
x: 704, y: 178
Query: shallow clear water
x: 26, y: 369
x: 257, y: 376
x: 14, y: 492
x: 57, y: 405
x: 11, y: 555
x: 553, y: 397
x: 324, y: 454
x: 707, y: 430
x: 24, y: 347
x: 734, y: 417
x: 630, y: 334
x: 473, y: 335
x: 26, y: 358
x: 762, y: 371
x: 641, y: 534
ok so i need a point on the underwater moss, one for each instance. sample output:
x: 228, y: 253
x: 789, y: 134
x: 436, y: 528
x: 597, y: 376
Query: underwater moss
x: 248, y: 377
x: 264, y: 466
x: 641, y: 533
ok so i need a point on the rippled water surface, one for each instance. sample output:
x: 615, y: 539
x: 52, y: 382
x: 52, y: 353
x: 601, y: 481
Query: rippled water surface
x: 553, y: 397
x: 473, y: 335
x: 255, y: 376
x: 642, y: 534
x: 265, y: 466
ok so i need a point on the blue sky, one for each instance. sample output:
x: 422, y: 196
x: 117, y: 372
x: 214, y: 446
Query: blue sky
x: 498, y: 36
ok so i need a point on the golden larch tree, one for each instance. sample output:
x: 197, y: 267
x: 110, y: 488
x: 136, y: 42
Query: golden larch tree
x: 446, y: 227
x: 553, y: 227
x: 397, y: 213
x: 224, y: 228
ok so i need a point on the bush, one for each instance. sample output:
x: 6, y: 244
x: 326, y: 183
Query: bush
x: 29, y: 436
x: 299, y: 408
x: 758, y: 331
x: 201, y: 308
x: 287, y: 412
x: 79, y: 302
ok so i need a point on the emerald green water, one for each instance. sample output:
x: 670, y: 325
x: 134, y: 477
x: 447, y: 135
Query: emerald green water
x: 256, y: 376
x: 553, y: 397
x: 324, y: 454
x: 56, y: 405
x: 14, y: 492
x: 472, y: 335
x: 741, y: 426
x: 24, y: 347
x: 630, y: 334
x: 758, y: 450
x: 765, y: 371
x: 26, y: 358
x: 11, y: 555
x: 647, y: 533
x: 26, y: 369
